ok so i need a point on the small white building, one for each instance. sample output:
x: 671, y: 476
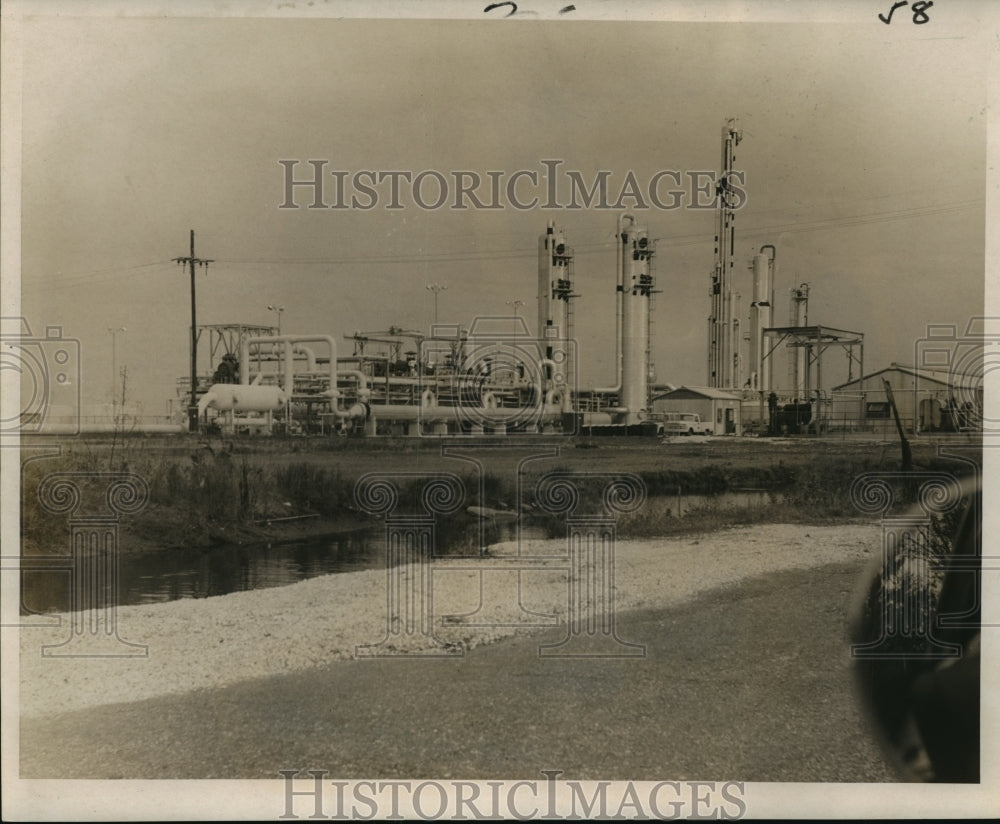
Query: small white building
x: 716, y: 406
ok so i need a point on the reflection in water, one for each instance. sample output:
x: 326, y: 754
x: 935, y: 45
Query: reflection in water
x: 171, y: 574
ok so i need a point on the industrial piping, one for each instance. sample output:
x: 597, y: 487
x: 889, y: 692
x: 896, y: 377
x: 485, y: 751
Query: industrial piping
x: 358, y: 410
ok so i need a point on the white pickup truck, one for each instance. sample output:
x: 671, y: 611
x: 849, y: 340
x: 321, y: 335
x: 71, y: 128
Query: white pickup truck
x: 685, y: 423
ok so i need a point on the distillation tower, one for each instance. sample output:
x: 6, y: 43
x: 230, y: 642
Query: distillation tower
x: 763, y: 266
x: 555, y: 311
x: 798, y: 354
x: 635, y: 289
x: 723, y: 322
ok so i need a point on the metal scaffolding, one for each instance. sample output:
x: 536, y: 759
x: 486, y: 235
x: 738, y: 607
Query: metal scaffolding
x: 814, y: 341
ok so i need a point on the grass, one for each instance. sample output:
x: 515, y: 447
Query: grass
x: 202, y: 488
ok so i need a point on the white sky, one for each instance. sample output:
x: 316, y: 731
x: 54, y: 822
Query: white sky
x: 864, y: 150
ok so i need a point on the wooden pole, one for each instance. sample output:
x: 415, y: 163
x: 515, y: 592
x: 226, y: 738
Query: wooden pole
x: 907, y: 455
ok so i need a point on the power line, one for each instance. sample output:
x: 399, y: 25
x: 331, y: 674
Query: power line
x: 585, y: 248
x: 83, y: 278
x: 79, y: 279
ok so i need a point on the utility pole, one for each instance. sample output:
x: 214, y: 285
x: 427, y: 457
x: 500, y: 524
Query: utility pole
x: 193, y: 261
x: 114, y: 371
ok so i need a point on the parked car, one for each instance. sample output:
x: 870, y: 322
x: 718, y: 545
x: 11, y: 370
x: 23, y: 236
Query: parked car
x: 686, y: 423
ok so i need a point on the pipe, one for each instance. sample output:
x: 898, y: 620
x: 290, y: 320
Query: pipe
x: 332, y: 392
x: 557, y: 398
x: 765, y: 316
x: 357, y: 411
x: 299, y: 352
x: 289, y: 382
x: 310, y: 357
x: 565, y: 401
x: 412, y: 412
x: 102, y: 428
x: 361, y: 409
x: 205, y: 401
x: 363, y: 391
x: 287, y: 339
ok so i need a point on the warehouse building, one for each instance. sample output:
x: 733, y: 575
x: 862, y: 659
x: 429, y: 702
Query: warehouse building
x: 927, y: 400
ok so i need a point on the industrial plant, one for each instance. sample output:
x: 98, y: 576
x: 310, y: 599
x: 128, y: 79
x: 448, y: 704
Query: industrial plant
x: 498, y: 376
x: 495, y: 377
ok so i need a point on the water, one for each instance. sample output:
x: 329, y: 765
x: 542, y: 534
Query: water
x: 172, y: 574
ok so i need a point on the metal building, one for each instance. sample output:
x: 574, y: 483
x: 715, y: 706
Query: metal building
x: 928, y: 401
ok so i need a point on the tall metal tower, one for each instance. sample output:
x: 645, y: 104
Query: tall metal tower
x: 723, y: 326
x: 636, y: 288
x: 555, y: 304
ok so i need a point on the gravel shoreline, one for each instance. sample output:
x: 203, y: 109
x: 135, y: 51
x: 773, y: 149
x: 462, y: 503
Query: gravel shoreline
x: 206, y: 643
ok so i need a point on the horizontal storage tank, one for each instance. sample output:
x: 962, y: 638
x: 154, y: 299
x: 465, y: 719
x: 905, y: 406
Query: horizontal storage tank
x: 240, y: 398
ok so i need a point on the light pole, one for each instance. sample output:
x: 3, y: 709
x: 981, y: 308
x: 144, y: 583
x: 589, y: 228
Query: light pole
x: 436, y: 288
x: 114, y: 368
x: 517, y: 304
x: 279, y: 309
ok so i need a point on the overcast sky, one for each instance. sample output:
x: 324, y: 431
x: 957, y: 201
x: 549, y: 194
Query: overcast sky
x: 864, y: 153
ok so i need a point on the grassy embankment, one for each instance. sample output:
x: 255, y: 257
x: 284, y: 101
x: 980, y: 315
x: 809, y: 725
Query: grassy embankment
x: 217, y: 491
